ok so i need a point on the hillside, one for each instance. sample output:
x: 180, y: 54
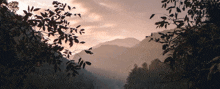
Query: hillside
x: 119, y: 59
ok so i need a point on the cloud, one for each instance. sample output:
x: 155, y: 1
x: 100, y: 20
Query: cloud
x: 92, y: 17
x: 126, y: 18
x: 104, y: 20
x: 106, y: 25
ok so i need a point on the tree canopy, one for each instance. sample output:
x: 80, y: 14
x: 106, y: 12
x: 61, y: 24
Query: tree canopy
x: 24, y: 48
x: 194, y: 44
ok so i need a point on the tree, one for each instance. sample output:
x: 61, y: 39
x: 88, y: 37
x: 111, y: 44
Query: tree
x: 142, y: 78
x: 23, y: 48
x: 195, y: 42
x: 13, y: 6
x: 145, y: 66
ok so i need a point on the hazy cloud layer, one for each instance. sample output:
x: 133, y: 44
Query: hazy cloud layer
x: 110, y: 19
x: 106, y: 20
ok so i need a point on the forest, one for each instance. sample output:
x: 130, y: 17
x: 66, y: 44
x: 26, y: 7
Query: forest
x: 191, y: 50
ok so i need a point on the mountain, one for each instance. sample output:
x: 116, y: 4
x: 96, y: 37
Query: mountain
x: 145, y: 51
x: 127, y: 42
x: 102, y: 58
x: 119, y: 59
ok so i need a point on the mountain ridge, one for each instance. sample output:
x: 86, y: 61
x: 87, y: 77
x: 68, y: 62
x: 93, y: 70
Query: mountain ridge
x: 126, y: 42
x: 120, y: 59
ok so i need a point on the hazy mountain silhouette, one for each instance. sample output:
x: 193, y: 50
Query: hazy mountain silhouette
x: 127, y: 42
x: 102, y: 57
x: 119, y: 59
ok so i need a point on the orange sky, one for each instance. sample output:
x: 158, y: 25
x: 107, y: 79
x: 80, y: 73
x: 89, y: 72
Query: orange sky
x: 106, y: 20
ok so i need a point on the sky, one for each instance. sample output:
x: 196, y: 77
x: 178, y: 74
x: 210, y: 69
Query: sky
x: 105, y: 20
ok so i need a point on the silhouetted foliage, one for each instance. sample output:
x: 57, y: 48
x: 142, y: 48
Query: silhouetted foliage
x: 13, y: 6
x: 152, y: 78
x: 137, y: 78
x: 23, y: 49
x: 194, y: 43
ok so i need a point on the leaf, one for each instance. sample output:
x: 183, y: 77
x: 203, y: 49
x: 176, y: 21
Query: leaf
x: 51, y: 13
x: 28, y: 8
x: 61, y: 48
x: 81, y: 63
x: 71, y: 43
x: 166, y: 26
x: 178, y: 9
x: 69, y: 14
x: 88, y: 52
x: 54, y: 2
x: 157, y: 23
x: 165, y: 5
x: 84, y: 64
x: 164, y: 18
x: 38, y: 17
x: 76, y: 40
x: 82, y: 42
x: 44, y: 28
x: 171, y: 15
x: 70, y: 53
x: 186, y: 18
x: 183, y: 8
x: 170, y: 11
x: 55, y: 40
x: 152, y: 16
x: 79, y: 60
x: 36, y: 9
x: 25, y: 11
x: 163, y: 1
x: 78, y: 26
x: 169, y: 8
x: 64, y: 6
x: 62, y: 17
x: 176, y: 15
x: 79, y: 15
x: 42, y: 14
x: 157, y: 40
x: 32, y: 8
x: 88, y: 63
x: 69, y: 7
x: 181, y: 3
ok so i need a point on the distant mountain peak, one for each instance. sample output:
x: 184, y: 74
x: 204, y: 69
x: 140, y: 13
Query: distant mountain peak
x: 126, y: 42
